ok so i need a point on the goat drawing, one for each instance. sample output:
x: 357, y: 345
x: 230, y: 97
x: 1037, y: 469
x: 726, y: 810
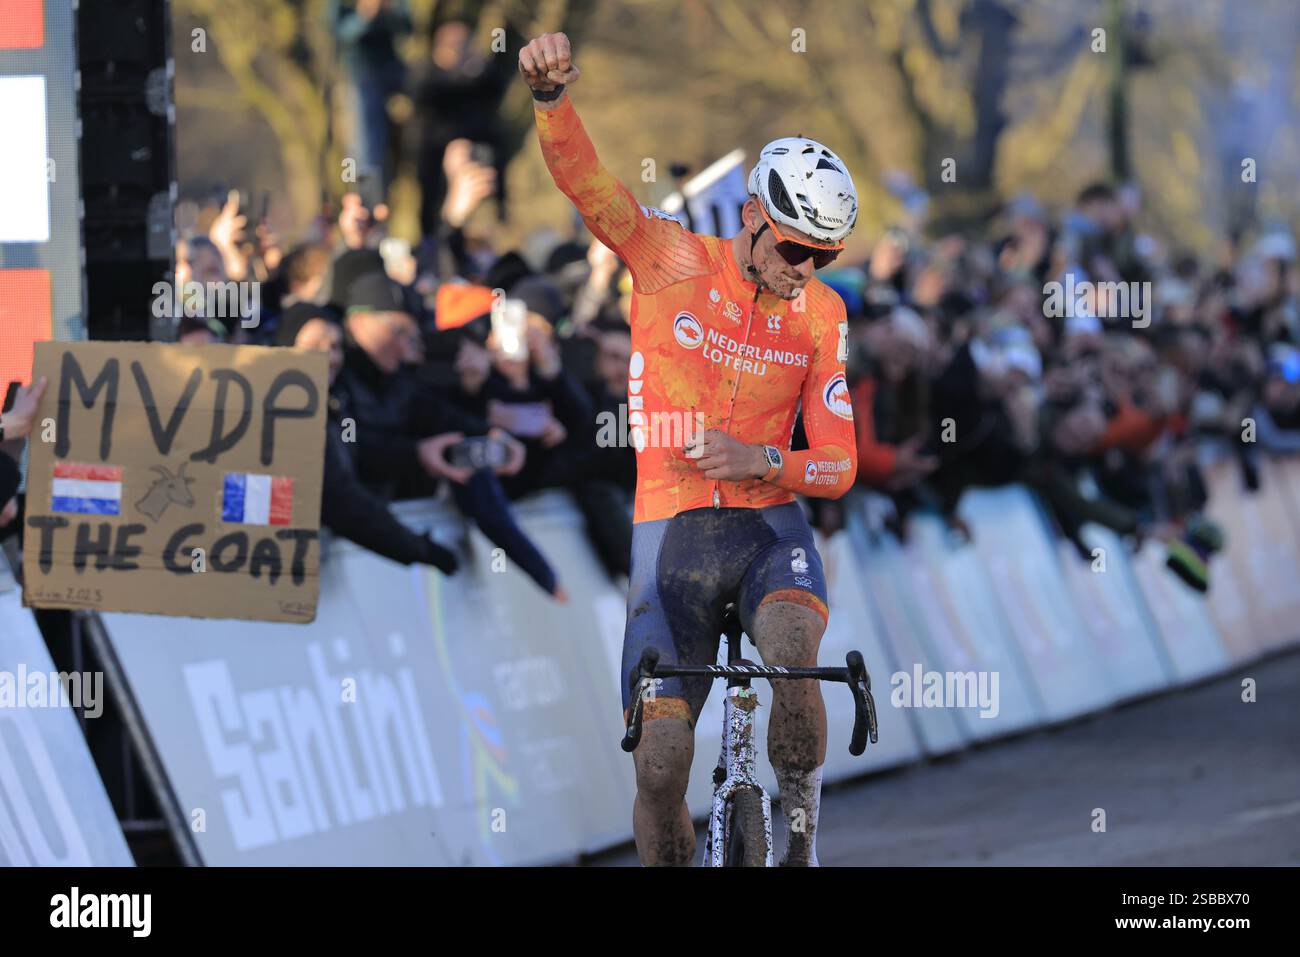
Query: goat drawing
x: 165, y: 490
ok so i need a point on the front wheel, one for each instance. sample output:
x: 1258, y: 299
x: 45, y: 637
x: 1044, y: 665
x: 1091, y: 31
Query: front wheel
x: 744, y: 839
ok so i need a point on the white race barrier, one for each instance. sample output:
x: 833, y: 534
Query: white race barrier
x: 1255, y: 584
x: 418, y: 720
x: 54, y: 810
x: 1116, y: 615
x: 472, y: 720
x: 1182, y: 617
x: 1016, y: 553
x: 885, y: 570
x: 967, y: 629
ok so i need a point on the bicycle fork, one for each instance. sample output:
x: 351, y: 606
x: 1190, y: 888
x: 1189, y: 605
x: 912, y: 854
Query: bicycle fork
x: 735, y: 770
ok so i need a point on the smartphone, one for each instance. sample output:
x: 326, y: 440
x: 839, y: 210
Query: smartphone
x: 479, y: 452
x: 368, y: 188
x: 509, y: 322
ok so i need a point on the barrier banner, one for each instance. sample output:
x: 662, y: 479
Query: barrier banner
x: 1253, y: 594
x: 176, y: 480
x: 54, y: 810
x: 473, y: 720
x: 1115, y: 612
x: 1018, y: 556
x: 419, y: 720
x: 539, y: 670
x: 852, y: 626
x: 894, y: 607
x: 972, y: 638
x: 1181, y: 615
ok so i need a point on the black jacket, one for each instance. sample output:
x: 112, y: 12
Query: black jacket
x: 392, y: 414
x: 350, y: 510
x: 569, y: 404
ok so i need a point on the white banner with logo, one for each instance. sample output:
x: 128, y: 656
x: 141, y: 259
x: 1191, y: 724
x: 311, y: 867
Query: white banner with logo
x: 54, y: 810
x: 472, y: 720
x: 1016, y: 553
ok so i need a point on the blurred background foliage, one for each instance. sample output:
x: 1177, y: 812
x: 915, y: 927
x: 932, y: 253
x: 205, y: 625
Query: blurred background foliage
x: 1011, y: 90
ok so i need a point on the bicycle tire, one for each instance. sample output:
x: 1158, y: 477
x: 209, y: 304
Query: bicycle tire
x: 743, y: 840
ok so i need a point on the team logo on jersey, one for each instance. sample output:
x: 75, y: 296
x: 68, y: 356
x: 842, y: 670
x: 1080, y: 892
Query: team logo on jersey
x: 774, y: 323
x: 835, y: 394
x: 688, y: 331
x: 714, y: 296
x: 810, y: 472
x: 731, y: 311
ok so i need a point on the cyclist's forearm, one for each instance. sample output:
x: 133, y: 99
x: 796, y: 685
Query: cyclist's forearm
x: 605, y: 204
x: 830, y: 475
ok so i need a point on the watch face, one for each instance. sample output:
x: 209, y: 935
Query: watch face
x: 773, y: 457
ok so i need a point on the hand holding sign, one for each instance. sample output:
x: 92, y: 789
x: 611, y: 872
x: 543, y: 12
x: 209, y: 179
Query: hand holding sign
x: 17, y: 422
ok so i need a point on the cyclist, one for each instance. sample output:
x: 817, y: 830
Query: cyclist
x: 729, y: 338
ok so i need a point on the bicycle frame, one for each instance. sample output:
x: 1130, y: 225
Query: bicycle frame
x: 736, y: 762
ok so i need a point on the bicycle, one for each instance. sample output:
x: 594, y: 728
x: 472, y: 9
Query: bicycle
x: 742, y: 810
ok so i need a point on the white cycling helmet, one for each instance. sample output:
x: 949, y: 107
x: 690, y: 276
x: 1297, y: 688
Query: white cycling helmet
x: 802, y: 184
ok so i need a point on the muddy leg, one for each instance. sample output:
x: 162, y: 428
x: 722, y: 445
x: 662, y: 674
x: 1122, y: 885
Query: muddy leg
x: 787, y: 634
x: 665, y: 836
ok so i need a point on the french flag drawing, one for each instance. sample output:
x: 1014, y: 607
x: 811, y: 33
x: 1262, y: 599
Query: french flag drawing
x: 257, y: 499
x: 87, y: 489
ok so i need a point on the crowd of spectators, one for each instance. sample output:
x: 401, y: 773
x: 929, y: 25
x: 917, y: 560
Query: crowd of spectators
x: 418, y: 372
x: 1081, y: 356
x: 1072, y: 352
x: 968, y: 367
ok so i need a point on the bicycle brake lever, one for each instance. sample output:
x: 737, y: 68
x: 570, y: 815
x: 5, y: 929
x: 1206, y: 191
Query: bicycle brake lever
x: 645, y: 676
x: 864, y: 705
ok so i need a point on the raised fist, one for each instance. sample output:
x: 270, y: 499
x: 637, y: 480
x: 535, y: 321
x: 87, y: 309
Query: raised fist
x: 547, y: 61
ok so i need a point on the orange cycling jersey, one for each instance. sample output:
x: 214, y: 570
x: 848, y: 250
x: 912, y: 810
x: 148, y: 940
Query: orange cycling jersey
x: 709, y: 351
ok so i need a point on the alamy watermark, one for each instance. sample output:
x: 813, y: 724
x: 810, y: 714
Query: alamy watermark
x: 946, y: 689
x: 53, y: 689
x: 210, y: 300
x: 1101, y: 300
x: 641, y: 430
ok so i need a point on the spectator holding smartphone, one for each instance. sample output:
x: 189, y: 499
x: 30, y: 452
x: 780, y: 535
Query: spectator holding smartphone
x: 406, y: 431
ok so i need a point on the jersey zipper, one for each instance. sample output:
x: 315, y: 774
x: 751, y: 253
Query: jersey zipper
x: 731, y: 406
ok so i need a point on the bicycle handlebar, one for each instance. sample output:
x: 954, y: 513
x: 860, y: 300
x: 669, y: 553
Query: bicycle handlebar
x: 855, y: 676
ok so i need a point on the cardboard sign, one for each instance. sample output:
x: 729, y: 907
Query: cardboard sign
x: 176, y: 480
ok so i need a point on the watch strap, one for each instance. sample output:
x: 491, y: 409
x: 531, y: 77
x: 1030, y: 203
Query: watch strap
x: 546, y: 96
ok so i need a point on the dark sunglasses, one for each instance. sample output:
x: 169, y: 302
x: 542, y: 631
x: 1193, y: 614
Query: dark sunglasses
x: 796, y: 253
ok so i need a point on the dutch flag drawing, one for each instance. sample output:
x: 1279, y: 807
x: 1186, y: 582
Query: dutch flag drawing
x: 87, y: 489
x: 256, y: 499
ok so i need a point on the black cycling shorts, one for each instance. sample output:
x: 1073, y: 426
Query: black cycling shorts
x: 688, y: 568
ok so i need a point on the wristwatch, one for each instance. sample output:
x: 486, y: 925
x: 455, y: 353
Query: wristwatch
x: 546, y: 96
x: 772, y: 455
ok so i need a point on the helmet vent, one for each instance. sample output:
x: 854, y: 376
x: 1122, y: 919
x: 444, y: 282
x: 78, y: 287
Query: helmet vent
x: 780, y: 198
x: 827, y: 164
